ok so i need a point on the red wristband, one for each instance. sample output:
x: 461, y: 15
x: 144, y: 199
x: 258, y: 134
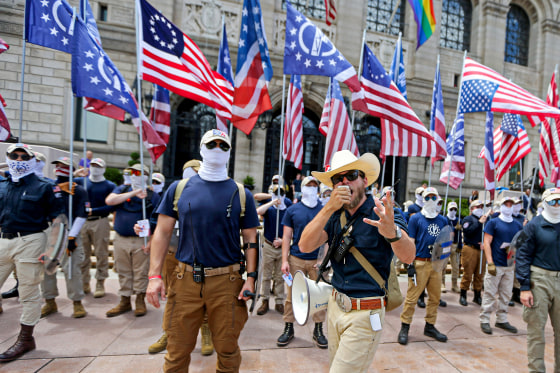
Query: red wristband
x: 154, y: 277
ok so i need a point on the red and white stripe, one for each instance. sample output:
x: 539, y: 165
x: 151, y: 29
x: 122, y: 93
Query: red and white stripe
x: 324, y: 122
x: 4, y: 124
x: 555, y: 176
x: 549, y: 142
x: 3, y: 46
x: 339, y: 134
x: 293, y: 133
x: 330, y: 8
x: 439, y: 136
x: 397, y: 141
x: 160, y: 116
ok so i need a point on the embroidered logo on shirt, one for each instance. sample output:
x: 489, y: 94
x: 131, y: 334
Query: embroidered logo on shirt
x: 433, y: 230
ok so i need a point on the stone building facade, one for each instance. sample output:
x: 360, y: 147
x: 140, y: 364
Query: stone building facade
x: 517, y: 38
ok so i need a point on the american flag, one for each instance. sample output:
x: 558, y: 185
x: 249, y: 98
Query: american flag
x: 330, y: 8
x: 170, y: 59
x: 104, y: 108
x: 339, y: 133
x: 160, y: 117
x: 293, y: 133
x: 4, y: 124
x: 224, y: 68
x: 555, y: 176
x: 50, y: 24
x: 514, y: 144
x: 3, y: 46
x: 456, y: 146
x: 489, y: 166
x: 483, y: 89
x: 324, y: 122
x: 549, y: 143
x: 437, y: 119
x: 308, y: 51
x: 155, y: 145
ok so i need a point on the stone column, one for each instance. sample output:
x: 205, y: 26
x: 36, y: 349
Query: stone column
x: 493, y: 41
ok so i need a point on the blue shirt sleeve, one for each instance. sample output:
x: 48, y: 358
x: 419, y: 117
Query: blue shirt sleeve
x: 287, y: 220
x: 166, y: 204
x: 413, y: 226
x: 251, y: 218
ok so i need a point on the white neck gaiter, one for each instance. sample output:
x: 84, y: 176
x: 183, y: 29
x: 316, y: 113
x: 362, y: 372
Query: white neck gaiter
x: 324, y: 200
x: 419, y: 200
x: 452, y: 215
x: 127, y: 180
x: 517, y: 209
x: 136, y: 181
x: 214, y: 161
x: 477, y: 212
x: 188, y: 173
x: 282, y: 205
x: 551, y: 213
x: 63, y: 171
x: 429, y: 209
x: 97, y: 174
x: 19, y: 169
x: 158, y: 188
x: 309, y: 196
x: 505, y: 213
x: 539, y: 211
x: 39, y: 168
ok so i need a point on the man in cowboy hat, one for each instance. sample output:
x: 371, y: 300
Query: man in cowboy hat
x: 377, y: 233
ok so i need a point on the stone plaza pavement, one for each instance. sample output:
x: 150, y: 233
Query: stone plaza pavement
x: 100, y: 344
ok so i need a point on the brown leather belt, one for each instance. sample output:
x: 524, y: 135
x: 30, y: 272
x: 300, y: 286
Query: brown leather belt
x: 9, y: 236
x: 208, y: 271
x: 373, y: 303
x: 423, y: 259
x: 268, y: 242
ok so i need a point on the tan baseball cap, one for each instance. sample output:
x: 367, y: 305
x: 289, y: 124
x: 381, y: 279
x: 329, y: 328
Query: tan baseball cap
x: 215, y: 134
x: 98, y: 161
x: 20, y: 146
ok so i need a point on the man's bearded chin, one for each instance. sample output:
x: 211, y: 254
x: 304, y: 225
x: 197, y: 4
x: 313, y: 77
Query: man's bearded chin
x: 356, y: 198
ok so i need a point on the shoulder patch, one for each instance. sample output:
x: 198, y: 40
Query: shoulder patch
x: 466, y: 224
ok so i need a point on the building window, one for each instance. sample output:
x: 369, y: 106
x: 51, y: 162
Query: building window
x: 309, y: 8
x: 517, y: 36
x: 103, y: 10
x: 456, y: 17
x: 97, y: 125
x: 379, y: 13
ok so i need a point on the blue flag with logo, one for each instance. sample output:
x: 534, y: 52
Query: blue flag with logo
x: 50, y: 23
x: 94, y: 74
x: 397, y: 73
x: 87, y: 14
x: 224, y: 60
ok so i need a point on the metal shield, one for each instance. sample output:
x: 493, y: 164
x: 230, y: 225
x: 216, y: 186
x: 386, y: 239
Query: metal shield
x: 442, y: 248
x: 56, y: 244
x: 519, y: 239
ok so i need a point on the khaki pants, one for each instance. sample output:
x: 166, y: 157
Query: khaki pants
x: 454, y: 261
x: 470, y: 260
x: 22, y: 254
x: 307, y: 267
x: 352, y: 342
x: 132, y: 265
x: 546, y: 302
x: 426, y: 278
x: 74, y: 286
x: 96, y: 232
x: 497, y: 293
x: 187, y: 301
x: 272, y: 271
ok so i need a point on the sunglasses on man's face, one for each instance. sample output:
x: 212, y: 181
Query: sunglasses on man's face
x: 452, y: 209
x: 15, y: 156
x: 212, y: 144
x: 135, y: 172
x: 553, y: 202
x: 350, y: 176
x: 427, y: 198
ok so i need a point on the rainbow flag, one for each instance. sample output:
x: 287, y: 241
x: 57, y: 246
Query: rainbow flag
x: 425, y: 19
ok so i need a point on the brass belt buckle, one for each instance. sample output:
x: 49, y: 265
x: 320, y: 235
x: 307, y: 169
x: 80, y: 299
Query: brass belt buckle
x: 344, y: 302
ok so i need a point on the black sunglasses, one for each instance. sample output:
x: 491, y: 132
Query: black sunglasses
x: 350, y: 176
x: 14, y: 156
x: 554, y: 202
x: 212, y: 144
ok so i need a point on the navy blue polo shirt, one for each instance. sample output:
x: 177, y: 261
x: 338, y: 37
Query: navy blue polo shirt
x: 203, y: 221
x: 349, y: 276
x: 502, y: 233
x: 425, y: 231
x: 97, y: 193
x: 130, y: 211
x: 79, y: 200
x: 270, y: 221
x: 297, y: 217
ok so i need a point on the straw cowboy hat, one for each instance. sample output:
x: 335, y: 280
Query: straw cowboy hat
x: 344, y: 160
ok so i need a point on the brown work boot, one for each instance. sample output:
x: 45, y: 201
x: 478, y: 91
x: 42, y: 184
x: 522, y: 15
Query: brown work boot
x: 159, y: 346
x: 122, y: 307
x: 207, y: 348
x: 263, y: 309
x: 140, y: 308
x: 49, y: 308
x: 87, y: 288
x: 79, y: 310
x: 279, y: 308
x: 24, y: 343
x: 99, y: 289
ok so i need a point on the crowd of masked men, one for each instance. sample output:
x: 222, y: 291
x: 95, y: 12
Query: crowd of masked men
x: 192, y: 229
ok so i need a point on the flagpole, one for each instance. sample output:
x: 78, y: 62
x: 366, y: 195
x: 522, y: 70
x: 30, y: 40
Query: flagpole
x: 23, y: 50
x: 359, y: 71
x: 383, y: 173
x: 388, y: 27
x: 453, y: 130
x: 396, y: 79
x: 70, y: 181
x: 482, y: 237
x: 431, y: 164
x: 280, y: 163
x: 458, y: 256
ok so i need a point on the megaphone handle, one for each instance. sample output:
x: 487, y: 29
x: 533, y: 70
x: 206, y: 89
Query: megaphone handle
x: 248, y: 294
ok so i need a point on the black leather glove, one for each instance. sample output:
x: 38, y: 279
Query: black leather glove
x: 71, y: 244
x: 411, y: 270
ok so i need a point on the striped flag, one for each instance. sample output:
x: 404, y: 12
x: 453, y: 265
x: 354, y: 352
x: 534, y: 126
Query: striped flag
x: 489, y: 166
x: 549, y: 142
x: 224, y: 68
x: 170, y: 59
x: 5, y: 132
x: 155, y: 145
x: 324, y: 122
x: 437, y: 119
x: 455, y: 154
x: 330, y: 8
x: 254, y: 69
x: 339, y: 133
x: 3, y: 46
x: 514, y: 144
x: 160, y: 118
x: 555, y: 176
x: 483, y: 89
x: 293, y: 133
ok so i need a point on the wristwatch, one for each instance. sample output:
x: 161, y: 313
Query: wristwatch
x: 398, y: 235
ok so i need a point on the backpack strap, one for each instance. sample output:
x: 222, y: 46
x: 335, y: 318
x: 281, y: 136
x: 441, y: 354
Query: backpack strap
x: 178, y: 192
x: 242, y: 197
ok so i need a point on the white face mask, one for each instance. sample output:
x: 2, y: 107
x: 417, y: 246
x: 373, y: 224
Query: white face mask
x: 517, y: 209
x: 96, y: 174
x: 324, y: 200
x: 309, y: 196
x: 477, y: 212
x: 539, y: 211
x: 127, y: 180
x: 188, y: 173
x: 438, y: 208
x: 551, y: 213
x: 452, y: 214
x: 282, y: 205
x: 136, y: 181
x: 419, y: 200
x: 430, y: 209
x: 505, y: 213
x: 39, y: 168
x: 19, y: 169
x: 214, y: 161
x: 158, y: 188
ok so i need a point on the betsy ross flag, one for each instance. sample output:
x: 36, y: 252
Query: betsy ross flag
x: 254, y: 69
x: 308, y: 51
x: 339, y: 133
x: 488, y: 155
x: 293, y: 133
x: 549, y: 142
x: 170, y: 59
x: 437, y: 119
x: 483, y: 89
x: 5, y: 132
x: 330, y: 8
x: 455, y: 155
x: 514, y: 144
x: 224, y: 68
x: 3, y: 46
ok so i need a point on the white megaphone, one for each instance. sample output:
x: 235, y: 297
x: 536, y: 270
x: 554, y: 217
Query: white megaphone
x: 308, y: 297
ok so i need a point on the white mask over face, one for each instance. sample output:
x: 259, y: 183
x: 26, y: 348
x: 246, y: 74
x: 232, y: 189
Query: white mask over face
x: 506, y: 213
x: 39, y: 168
x: 452, y: 214
x: 438, y: 208
x: 551, y: 213
x: 96, y: 174
x: 539, y: 211
x: 282, y: 205
x: 430, y: 209
x: 517, y: 209
x: 419, y: 200
x: 19, y: 169
x: 324, y: 200
x: 127, y: 180
x: 214, y: 161
x: 309, y: 196
x: 188, y: 173
x: 477, y: 212
x: 136, y: 181
x: 158, y: 188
